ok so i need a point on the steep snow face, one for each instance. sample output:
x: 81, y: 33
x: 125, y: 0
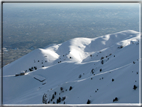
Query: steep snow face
x: 97, y: 70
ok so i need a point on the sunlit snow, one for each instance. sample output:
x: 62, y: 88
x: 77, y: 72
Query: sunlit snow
x: 101, y: 70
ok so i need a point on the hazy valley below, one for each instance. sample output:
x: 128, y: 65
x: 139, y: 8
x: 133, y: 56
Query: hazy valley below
x: 26, y: 29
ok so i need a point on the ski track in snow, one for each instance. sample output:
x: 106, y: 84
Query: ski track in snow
x: 103, y: 72
x: 9, y: 76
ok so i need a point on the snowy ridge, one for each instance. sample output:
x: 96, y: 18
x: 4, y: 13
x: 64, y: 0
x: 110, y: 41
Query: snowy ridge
x: 97, y: 70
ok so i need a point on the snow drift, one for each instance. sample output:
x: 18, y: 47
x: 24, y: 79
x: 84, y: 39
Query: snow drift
x: 99, y: 70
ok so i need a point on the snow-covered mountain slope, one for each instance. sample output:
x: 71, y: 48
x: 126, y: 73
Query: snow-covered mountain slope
x: 97, y: 70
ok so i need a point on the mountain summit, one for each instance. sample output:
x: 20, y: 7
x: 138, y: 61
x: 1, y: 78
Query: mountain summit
x: 99, y: 70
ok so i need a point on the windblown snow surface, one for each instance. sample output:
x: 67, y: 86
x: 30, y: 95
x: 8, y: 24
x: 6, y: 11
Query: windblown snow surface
x: 101, y: 70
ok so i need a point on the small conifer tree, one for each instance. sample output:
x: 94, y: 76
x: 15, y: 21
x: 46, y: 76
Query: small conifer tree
x: 88, y: 102
x: 102, y: 62
x: 112, y: 79
x: 70, y: 88
x: 135, y: 87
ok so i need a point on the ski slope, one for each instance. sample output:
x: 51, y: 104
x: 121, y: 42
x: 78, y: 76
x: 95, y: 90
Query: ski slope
x: 78, y: 71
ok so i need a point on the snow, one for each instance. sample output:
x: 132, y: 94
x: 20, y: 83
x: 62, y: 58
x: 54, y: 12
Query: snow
x: 69, y: 64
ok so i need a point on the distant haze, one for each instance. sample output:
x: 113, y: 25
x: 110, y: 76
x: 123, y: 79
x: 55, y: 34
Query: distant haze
x: 28, y: 26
